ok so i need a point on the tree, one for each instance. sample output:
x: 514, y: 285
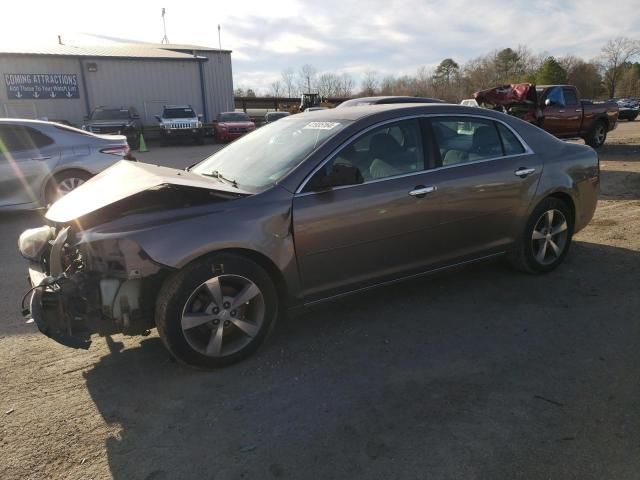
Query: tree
x: 239, y: 92
x: 346, y: 85
x: 250, y: 92
x: 288, y: 79
x: 307, y: 76
x: 615, y: 53
x: 551, y: 72
x: 369, y: 82
x: 447, y: 71
x: 584, y: 75
x: 276, y: 88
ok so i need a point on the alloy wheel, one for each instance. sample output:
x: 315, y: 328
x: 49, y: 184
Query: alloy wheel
x: 549, y: 237
x: 223, y: 315
x: 68, y: 184
x: 600, y: 134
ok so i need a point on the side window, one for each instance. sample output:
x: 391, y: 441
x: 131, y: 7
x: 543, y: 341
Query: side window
x: 466, y: 139
x: 555, y: 96
x: 390, y: 150
x: 16, y: 138
x: 511, y: 144
x: 570, y: 96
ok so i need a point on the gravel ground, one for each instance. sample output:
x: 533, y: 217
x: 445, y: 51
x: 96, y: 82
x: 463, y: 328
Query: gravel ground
x: 482, y: 373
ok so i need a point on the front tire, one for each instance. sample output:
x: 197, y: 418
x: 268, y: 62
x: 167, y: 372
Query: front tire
x: 216, y: 311
x: 547, y: 236
x: 62, y: 183
x: 597, y: 135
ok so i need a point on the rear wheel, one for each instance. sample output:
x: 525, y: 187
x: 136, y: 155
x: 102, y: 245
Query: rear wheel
x: 597, y: 135
x: 216, y: 311
x: 546, y: 238
x: 63, y: 182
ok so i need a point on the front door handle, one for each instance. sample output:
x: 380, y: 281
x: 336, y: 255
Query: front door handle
x: 523, y: 172
x: 41, y: 159
x: 420, y: 191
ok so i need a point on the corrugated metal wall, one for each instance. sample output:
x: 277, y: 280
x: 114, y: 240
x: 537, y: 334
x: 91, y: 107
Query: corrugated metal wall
x: 143, y: 83
x: 68, y: 109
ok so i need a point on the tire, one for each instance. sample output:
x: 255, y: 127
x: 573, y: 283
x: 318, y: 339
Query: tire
x: 597, y: 135
x: 526, y: 256
x: 196, y: 318
x: 63, y: 182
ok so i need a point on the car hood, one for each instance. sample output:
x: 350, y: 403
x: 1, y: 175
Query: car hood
x: 126, y: 179
x: 508, y: 94
x: 181, y: 120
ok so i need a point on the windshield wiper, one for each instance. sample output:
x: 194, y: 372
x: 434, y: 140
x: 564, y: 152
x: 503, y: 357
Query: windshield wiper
x: 218, y: 175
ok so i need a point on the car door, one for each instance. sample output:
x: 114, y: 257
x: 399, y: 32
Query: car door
x: 486, y: 178
x: 27, y: 155
x: 368, y: 213
x: 573, y: 112
x: 556, y: 115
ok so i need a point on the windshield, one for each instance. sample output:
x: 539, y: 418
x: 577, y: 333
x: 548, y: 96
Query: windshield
x: 110, y: 114
x: 179, y: 113
x: 234, y: 117
x: 259, y: 159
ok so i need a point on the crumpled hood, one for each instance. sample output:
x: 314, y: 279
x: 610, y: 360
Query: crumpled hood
x: 122, y: 180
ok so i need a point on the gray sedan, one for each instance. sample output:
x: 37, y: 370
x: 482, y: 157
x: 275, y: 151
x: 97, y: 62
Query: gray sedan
x: 303, y: 210
x: 41, y: 161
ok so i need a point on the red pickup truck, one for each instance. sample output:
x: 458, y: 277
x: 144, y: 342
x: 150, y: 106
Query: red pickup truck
x: 555, y: 108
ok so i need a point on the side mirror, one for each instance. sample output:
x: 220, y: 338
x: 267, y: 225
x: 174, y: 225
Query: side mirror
x: 548, y: 102
x: 340, y: 175
x: 157, y: 117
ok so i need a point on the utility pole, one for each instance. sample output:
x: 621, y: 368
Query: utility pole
x: 219, y: 41
x: 165, y: 39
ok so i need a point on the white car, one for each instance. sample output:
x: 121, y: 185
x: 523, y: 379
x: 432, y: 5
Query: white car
x: 42, y: 161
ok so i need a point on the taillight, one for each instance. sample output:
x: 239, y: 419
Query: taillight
x: 120, y: 150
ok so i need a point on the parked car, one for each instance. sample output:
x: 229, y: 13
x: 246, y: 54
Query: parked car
x: 384, y: 100
x: 232, y: 125
x: 42, y: 161
x: 628, y: 108
x: 180, y: 121
x: 116, y: 121
x: 306, y: 209
x: 469, y: 102
x: 271, y: 117
x: 556, y: 109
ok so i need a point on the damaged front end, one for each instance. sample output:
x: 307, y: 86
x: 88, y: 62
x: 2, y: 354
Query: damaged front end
x: 82, y: 286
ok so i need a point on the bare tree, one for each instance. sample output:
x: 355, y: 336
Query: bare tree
x: 369, y: 82
x: 276, y: 88
x: 307, y: 76
x: 346, y: 85
x: 615, y: 53
x: 288, y: 79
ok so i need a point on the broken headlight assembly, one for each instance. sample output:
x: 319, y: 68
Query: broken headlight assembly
x: 32, y: 242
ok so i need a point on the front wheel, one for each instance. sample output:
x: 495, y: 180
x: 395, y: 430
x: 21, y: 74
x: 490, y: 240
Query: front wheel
x: 597, y: 135
x: 546, y: 238
x: 216, y: 311
x: 63, y: 182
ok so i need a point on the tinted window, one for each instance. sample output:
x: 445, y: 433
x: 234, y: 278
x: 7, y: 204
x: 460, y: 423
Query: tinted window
x: 555, y: 95
x: 570, y: 96
x: 16, y: 138
x: 110, y: 114
x: 465, y: 139
x: 387, y: 151
x: 179, y: 113
x: 511, y: 144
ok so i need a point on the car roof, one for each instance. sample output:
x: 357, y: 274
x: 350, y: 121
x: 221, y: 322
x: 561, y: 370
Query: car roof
x: 361, y: 111
x: 25, y: 121
x: 390, y: 99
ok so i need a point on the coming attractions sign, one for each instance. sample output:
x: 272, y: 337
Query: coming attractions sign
x: 41, y: 85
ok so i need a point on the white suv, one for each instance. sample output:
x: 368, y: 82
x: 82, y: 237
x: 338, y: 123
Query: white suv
x: 180, y: 121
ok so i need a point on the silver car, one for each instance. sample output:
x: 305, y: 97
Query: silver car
x: 42, y: 161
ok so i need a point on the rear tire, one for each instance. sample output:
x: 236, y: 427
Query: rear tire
x: 597, y: 135
x: 198, y: 320
x: 62, y: 183
x: 545, y: 241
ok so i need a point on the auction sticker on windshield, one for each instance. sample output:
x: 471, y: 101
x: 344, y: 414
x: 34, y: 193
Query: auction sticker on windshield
x: 320, y: 125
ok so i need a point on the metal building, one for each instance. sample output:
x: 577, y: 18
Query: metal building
x: 64, y: 82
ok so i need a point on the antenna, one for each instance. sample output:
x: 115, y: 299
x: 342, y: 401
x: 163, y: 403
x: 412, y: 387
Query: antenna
x: 165, y: 39
x: 219, y: 42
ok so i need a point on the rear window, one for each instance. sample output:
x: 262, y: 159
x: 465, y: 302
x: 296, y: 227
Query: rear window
x: 233, y: 117
x: 17, y: 138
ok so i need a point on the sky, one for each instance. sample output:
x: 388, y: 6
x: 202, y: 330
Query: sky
x: 387, y: 36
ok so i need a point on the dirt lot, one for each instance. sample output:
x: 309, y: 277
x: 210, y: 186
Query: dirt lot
x: 482, y: 373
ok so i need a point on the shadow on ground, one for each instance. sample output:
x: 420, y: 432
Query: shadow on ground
x: 481, y: 373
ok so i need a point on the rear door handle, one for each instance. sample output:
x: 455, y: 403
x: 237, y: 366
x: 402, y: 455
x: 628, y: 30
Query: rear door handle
x: 40, y: 159
x: 523, y: 172
x: 420, y: 191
